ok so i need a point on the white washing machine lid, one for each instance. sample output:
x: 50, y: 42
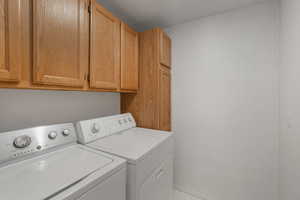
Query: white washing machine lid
x: 45, y: 176
x: 132, y: 144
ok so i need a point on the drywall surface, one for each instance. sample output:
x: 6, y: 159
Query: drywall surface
x: 226, y: 104
x: 290, y: 101
x: 27, y: 108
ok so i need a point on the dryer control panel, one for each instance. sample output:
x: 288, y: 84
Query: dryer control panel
x: 93, y: 129
x: 20, y: 143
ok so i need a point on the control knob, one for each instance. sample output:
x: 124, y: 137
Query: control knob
x: 22, y: 141
x: 52, y: 135
x: 95, y: 129
x: 66, y: 132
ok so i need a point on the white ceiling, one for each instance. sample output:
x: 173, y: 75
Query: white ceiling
x: 144, y: 14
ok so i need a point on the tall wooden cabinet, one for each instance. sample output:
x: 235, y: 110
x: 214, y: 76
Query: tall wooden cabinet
x: 151, y: 106
x: 10, y: 40
x: 60, y: 42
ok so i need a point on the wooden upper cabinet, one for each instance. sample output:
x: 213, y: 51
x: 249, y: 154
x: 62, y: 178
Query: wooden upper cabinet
x: 165, y: 49
x: 10, y: 40
x: 60, y: 38
x: 165, y: 99
x: 129, y: 58
x: 105, y: 49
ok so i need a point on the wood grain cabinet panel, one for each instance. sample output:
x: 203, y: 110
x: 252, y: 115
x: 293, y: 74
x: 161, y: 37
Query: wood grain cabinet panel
x: 151, y: 105
x: 129, y: 58
x: 66, y: 45
x: 165, y: 49
x: 60, y: 38
x: 164, y: 99
x: 10, y: 40
x: 105, y: 49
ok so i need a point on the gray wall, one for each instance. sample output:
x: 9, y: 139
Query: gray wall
x: 26, y: 108
x: 226, y: 104
x: 290, y: 101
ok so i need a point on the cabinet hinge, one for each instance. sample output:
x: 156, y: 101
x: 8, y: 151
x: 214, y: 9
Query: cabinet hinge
x: 87, y: 77
x: 89, y: 8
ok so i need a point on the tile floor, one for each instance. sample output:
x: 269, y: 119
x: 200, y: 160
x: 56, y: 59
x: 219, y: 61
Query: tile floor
x: 183, y: 196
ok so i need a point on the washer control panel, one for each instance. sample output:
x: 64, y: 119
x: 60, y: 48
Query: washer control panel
x: 93, y: 129
x: 21, y: 143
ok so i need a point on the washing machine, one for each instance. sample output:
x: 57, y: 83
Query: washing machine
x: 46, y: 163
x: 149, y: 153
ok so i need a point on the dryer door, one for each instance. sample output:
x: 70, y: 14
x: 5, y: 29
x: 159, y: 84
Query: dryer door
x: 159, y: 185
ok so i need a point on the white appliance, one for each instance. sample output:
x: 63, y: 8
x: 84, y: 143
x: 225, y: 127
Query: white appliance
x: 149, y: 153
x: 45, y: 163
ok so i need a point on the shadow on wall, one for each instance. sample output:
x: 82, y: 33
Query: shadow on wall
x: 27, y: 108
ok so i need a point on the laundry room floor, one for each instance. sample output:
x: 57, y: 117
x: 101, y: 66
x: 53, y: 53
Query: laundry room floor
x: 183, y: 196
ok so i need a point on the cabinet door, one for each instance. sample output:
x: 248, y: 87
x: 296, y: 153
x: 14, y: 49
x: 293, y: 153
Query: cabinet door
x: 10, y: 40
x: 165, y: 49
x: 60, y: 39
x: 164, y: 99
x: 159, y: 185
x: 129, y: 58
x: 105, y: 49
